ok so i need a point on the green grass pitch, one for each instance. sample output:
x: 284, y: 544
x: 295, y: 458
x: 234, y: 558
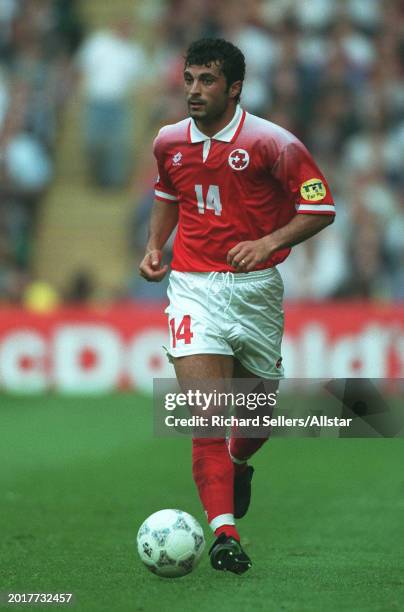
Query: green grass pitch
x: 78, y: 475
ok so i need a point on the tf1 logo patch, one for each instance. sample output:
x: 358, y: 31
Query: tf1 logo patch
x: 313, y: 190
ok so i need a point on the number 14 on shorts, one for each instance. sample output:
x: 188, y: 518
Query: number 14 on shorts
x: 182, y: 331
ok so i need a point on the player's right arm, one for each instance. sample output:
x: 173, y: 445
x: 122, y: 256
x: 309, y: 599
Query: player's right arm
x: 163, y: 220
x: 164, y: 216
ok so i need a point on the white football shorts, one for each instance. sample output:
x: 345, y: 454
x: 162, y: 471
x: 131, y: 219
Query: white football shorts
x: 228, y: 314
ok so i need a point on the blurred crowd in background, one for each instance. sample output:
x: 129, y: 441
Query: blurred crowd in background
x: 38, y: 38
x: 329, y: 71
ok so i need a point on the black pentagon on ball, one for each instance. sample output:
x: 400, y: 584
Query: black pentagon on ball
x: 198, y: 540
x: 160, y: 535
x: 181, y: 523
x: 187, y: 564
x: 164, y: 559
x: 147, y: 549
x: 144, y: 530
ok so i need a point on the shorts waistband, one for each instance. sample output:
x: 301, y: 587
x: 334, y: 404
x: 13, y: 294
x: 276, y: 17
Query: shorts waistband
x: 239, y: 277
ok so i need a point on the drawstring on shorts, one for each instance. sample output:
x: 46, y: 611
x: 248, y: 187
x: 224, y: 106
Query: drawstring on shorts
x: 227, y: 280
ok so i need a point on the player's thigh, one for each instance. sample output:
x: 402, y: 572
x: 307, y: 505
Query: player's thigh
x: 249, y: 384
x: 203, y: 367
x: 209, y: 375
x: 240, y: 372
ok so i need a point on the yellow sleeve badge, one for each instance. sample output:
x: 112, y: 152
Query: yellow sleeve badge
x: 313, y: 190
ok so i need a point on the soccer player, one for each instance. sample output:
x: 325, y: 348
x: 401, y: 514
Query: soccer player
x: 241, y: 191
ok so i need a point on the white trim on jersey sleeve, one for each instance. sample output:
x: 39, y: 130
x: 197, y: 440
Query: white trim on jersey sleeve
x: 315, y: 208
x: 165, y: 196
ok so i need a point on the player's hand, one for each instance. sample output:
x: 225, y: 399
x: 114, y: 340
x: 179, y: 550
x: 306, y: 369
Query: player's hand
x: 245, y: 256
x: 150, y: 267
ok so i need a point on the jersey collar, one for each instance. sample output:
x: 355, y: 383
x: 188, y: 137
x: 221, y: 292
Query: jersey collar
x: 227, y: 134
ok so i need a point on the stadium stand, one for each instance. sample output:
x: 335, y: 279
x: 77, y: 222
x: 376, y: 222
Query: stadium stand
x: 330, y: 72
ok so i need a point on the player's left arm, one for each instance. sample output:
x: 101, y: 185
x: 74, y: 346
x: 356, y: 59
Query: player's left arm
x: 254, y: 252
x: 305, y: 185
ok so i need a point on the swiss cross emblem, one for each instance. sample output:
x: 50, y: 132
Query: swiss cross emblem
x: 239, y: 159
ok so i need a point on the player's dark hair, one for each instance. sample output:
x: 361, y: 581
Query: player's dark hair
x: 206, y: 51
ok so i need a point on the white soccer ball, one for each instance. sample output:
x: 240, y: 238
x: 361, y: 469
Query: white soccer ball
x: 170, y: 543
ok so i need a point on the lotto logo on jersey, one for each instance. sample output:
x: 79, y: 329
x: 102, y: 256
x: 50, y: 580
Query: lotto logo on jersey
x: 313, y: 190
x: 177, y: 159
x: 239, y: 159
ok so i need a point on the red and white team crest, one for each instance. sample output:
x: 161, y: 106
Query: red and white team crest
x: 239, y: 159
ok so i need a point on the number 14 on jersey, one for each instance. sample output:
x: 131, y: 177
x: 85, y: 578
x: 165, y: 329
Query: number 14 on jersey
x: 211, y: 201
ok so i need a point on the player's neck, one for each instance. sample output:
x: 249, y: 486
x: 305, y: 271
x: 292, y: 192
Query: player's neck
x: 210, y: 128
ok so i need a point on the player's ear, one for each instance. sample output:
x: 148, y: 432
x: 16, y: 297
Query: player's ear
x: 235, y: 89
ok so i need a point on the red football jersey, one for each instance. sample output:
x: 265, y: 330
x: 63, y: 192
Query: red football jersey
x: 245, y: 182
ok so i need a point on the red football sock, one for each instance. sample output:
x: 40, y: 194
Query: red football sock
x: 229, y: 530
x: 244, y: 448
x: 212, y: 470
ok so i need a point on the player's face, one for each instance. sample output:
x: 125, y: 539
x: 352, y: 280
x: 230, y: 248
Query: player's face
x: 208, y: 96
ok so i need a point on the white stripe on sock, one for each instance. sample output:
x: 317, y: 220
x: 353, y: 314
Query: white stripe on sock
x: 235, y: 460
x: 222, y: 519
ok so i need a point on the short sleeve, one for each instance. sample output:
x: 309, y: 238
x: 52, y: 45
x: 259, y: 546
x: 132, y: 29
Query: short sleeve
x: 163, y: 189
x: 301, y: 178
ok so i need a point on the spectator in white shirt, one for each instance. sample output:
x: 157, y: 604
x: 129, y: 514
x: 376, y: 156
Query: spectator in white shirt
x: 111, y: 65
